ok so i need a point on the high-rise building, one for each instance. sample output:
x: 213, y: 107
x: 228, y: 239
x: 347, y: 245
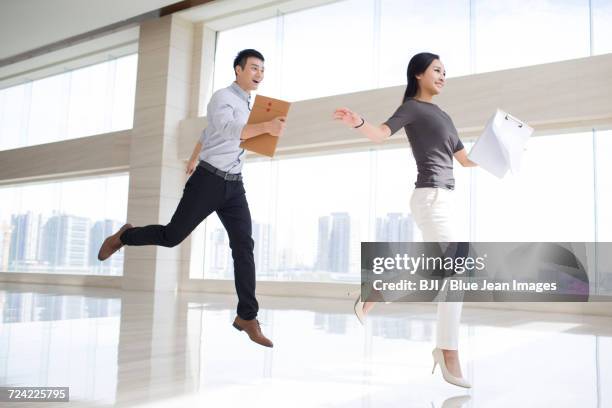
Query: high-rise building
x: 65, y: 242
x: 25, y: 240
x: 333, y: 247
x: 339, y: 242
x: 395, y: 227
x: 323, y: 244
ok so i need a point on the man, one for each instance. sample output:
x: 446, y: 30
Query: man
x: 216, y: 185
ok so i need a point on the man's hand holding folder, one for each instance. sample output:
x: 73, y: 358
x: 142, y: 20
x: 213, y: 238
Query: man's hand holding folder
x: 276, y: 126
x: 272, y: 113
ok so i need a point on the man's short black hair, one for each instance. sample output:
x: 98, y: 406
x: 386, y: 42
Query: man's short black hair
x: 244, y: 55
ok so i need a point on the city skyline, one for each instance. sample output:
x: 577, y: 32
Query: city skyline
x: 35, y: 242
x: 335, y: 257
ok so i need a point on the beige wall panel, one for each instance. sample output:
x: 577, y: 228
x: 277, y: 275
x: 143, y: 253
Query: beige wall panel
x: 190, y: 131
x: 172, y: 121
x: 145, y: 216
x: 173, y: 180
x: 148, y: 120
x: 139, y: 275
x: 180, y: 62
x: 157, y: 34
x: 170, y: 150
x: 168, y: 272
x: 146, y: 181
x: 181, y: 36
x: 149, y: 152
x: 150, y: 92
x: 178, y: 95
x: 151, y: 252
x: 71, y: 157
x: 61, y: 279
x: 148, y: 206
x: 154, y: 63
x: 163, y: 93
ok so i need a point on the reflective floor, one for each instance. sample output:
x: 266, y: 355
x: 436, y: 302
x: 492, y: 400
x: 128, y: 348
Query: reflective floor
x: 115, y: 348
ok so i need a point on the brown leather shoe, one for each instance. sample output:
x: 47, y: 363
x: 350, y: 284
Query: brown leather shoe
x: 251, y: 327
x: 112, y: 244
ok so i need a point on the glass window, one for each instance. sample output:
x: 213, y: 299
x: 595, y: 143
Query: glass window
x: 551, y: 199
x: 334, y: 58
x: 510, y: 33
x: 301, y: 62
x: 218, y: 264
x: 377, y: 39
x: 58, y: 227
x: 603, y: 152
x: 410, y: 27
x: 83, y: 102
x: 124, y: 91
x: 47, y: 117
x: 261, y: 36
x: 309, y: 229
x: 13, y: 116
x: 323, y: 214
x: 305, y: 227
x: 395, y: 177
x: 603, y: 174
x: 602, y: 29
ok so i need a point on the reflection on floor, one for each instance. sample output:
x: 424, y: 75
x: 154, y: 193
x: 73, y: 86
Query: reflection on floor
x: 115, y: 348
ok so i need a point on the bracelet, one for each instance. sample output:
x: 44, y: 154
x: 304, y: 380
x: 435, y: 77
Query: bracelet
x: 359, y: 125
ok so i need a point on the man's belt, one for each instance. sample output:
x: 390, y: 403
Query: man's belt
x: 223, y: 174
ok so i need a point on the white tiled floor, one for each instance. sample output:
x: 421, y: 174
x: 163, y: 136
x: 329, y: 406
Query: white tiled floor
x: 116, y: 348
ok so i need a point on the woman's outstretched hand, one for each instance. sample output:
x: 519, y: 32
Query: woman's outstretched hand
x: 347, y: 116
x: 377, y: 134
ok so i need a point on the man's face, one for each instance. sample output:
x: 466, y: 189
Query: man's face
x: 251, y: 76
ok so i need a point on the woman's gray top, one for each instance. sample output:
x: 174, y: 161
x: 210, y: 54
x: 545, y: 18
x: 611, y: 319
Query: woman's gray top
x: 433, y: 138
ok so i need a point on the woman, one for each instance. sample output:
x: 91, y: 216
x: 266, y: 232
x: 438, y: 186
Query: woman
x: 434, y: 142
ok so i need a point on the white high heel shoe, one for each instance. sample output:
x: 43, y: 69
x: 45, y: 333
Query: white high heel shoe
x: 456, y: 402
x: 438, y: 358
x: 358, y: 308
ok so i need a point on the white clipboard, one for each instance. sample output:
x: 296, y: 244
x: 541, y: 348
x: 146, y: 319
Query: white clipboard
x: 500, y: 147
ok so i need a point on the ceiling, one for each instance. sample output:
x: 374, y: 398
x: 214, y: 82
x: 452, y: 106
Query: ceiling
x: 26, y: 25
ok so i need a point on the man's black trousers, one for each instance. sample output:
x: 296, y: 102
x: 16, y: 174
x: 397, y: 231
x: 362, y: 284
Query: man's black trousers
x: 204, y: 193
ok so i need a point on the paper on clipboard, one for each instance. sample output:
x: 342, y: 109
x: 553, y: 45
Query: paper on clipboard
x: 501, y: 145
x: 265, y: 109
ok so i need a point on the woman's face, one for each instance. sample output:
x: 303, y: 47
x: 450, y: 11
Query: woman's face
x: 433, y: 79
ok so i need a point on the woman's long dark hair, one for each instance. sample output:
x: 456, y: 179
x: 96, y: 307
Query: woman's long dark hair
x: 417, y: 65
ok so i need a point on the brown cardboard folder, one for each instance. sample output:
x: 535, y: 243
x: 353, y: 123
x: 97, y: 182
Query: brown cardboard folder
x: 265, y: 109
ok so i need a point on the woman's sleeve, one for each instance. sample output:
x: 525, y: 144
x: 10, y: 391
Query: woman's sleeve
x: 404, y: 115
x: 457, y: 144
x: 455, y: 141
